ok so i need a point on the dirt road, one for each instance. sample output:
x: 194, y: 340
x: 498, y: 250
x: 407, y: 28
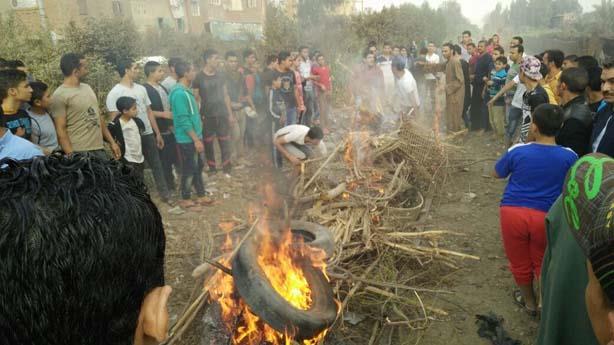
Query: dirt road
x: 468, y: 204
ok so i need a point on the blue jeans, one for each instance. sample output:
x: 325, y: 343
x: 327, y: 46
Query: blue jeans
x: 513, y: 121
x: 291, y: 116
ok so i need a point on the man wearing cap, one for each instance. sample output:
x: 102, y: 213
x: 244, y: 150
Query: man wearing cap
x: 534, y: 95
x: 588, y: 203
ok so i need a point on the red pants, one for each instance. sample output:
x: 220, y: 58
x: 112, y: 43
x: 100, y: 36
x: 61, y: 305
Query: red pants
x: 524, y: 238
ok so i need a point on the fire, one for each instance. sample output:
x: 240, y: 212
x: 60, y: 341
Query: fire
x: 278, y: 260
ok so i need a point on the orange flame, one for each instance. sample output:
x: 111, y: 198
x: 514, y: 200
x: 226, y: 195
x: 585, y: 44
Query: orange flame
x: 278, y: 261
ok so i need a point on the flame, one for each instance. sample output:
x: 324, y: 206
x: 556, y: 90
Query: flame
x: 278, y: 259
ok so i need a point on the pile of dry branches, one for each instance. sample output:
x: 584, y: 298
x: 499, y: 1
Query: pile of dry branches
x: 373, y: 193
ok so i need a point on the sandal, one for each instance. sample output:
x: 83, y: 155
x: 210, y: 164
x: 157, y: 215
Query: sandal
x: 519, y: 301
x: 189, y: 205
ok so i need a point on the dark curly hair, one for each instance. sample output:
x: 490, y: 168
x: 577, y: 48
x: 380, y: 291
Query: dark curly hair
x: 81, y: 244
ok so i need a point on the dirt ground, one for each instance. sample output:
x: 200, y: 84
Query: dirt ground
x: 478, y: 287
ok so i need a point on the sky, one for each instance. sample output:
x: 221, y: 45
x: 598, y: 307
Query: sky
x: 475, y: 10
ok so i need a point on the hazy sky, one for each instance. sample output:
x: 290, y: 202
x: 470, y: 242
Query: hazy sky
x: 475, y: 10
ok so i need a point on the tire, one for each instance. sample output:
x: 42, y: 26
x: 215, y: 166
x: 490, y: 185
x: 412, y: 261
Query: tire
x: 315, y: 235
x: 262, y: 299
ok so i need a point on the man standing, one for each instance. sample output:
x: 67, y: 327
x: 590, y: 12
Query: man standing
x: 386, y: 54
x: 430, y: 79
x: 171, y: 79
x: 578, y: 121
x: 514, y: 91
x: 288, y: 87
x: 406, y: 98
x: 310, y: 100
x: 455, y: 88
x: 160, y: 107
x: 553, y: 59
x: 216, y: 111
x: 151, y: 139
x: 479, y: 112
x: 467, y: 81
x: 603, y: 131
x: 465, y: 54
x: 189, y: 134
x: 534, y: 96
x: 74, y: 107
x: 368, y: 84
x: 235, y: 83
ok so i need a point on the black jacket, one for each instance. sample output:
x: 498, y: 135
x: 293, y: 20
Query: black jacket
x: 606, y: 146
x: 577, y: 127
x: 115, y: 128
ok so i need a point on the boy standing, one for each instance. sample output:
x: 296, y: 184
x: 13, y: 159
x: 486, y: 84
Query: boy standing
x: 277, y: 112
x: 534, y: 95
x: 288, y: 87
x: 43, y: 129
x: 14, y: 91
x: 325, y: 90
x: 161, y: 109
x: 496, y: 111
x: 126, y: 128
x: 189, y: 135
x: 528, y: 196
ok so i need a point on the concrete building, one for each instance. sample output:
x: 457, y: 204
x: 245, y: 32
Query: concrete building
x: 225, y: 19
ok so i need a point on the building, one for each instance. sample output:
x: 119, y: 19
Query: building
x: 224, y: 19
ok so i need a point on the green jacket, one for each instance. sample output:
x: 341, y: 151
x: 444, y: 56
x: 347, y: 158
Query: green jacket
x: 186, y: 116
x: 564, y: 318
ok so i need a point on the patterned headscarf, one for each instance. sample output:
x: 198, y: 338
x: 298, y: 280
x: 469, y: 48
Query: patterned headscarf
x: 588, y: 198
x: 531, y: 66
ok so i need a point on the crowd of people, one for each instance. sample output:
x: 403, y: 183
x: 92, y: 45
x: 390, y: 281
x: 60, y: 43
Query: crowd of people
x: 552, y: 112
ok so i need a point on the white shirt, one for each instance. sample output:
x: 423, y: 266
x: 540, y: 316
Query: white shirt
x: 305, y: 71
x: 296, y: 134
x: 520, y: 90
x: 137, y: 92
x: 407, y: 92
x: 132, y: 140
x: 432, y: 59
x: 169, y: 83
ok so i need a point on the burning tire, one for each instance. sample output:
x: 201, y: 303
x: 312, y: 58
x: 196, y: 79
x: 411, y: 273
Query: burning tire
x: 262, y: 299
x: 315, y: 235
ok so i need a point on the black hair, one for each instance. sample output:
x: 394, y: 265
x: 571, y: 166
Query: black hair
x: 150, y: 67
x: 70, y: 62
x: 181, y: 68
x: 457, y: 49
x: 500, y: 50
x: 502, y: 59
x: 231, y: 53
x: 424, y: 51
x: 271, y: 58
x: 172, y: 62
x: 283, y: 56
x: 315, y: 132
x: 449, y: 45
x: 520, y: 48
x: 466, y: 32
x: 123, y: 65
x: 84, y: 229
x: 208, y: 54
x: 571, y: 58
x: 556, y: 56
x: 275, y: 76
x: 543, y: 70
x: 608, y: 64
x: 519, y: 39
x: 10, y: 78
x: 387, y: 44
x: 484, y: 42
x: 575, y: 78
x: 587, y: 61
x: 594, y: 78
x: 471, y: 44
x: 300, y: 49
x: 38, y: 91
x: 124, y: 104
x: 366, y: 53
x: 398, y: 63
x: 548, y: 118
x: 247, y: 52
x: 371, y: 44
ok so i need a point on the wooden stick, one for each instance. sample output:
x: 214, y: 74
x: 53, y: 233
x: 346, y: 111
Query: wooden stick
x: 423, y: 233
x: 392, y: 295
x: 315, y: 175
x: 326, y: 196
